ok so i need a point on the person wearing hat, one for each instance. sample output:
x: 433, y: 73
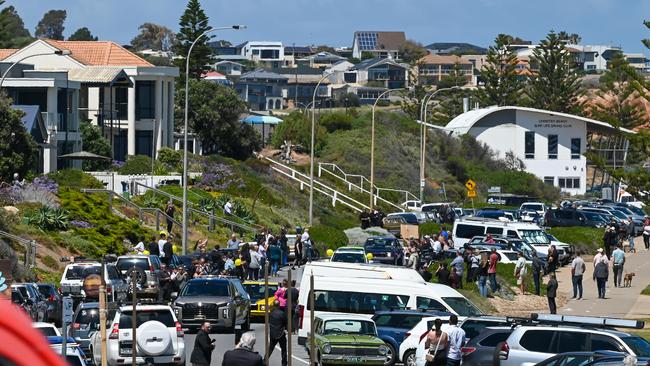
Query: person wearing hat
x: 610, y: 238
x: 600, y: 257
x: 161, y: 243
x: 278, y: 331
x: 601, y: 272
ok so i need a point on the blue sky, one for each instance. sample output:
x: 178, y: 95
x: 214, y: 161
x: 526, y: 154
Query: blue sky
x: 618, y: 22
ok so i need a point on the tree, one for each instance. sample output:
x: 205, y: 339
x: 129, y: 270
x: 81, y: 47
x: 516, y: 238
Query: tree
x: 414, y: 96
x: 515, y: 40
x: 17, y: 147
x: 82, y: 34
x: 325, y: 48
x: 556, y: 85
x: 296, y: 127
x: 153, y: 37
x: 450, y: 101
x: 502, y: 85
x: 214, y: 112
x: 193, y: 23
x: 411, y: 51
x: 572, y: 38
x: 13, y: 33
x: 95, y: 143
x: 51, y: 26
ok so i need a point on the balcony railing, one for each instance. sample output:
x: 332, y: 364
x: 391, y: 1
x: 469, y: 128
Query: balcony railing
x: 57, y: 122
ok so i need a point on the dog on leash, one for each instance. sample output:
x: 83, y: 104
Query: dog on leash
x: 627, y: 279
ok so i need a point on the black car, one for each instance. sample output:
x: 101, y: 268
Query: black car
x: 54, y: 302
x: 480, y: 349
x: 589, y: 358
x: 475, y: 325
x: 385, y: 249
x: 223, y: 302
x: 571, y: 217
x: 33, y: 299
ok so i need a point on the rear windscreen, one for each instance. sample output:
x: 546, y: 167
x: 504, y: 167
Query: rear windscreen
x: 163, y: 316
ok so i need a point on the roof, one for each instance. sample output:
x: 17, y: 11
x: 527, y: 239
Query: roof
x: 323, y: 56
x: 456, y: 46
x: 382, y: 40
x: 342, y: 316
x: 423, y: 312
x: 100, y: 76
x: 100, y: 53
x: 377, y: 61
x: 465, y: 121
x: 440, y: 59
x: 298, y: 49
x: 212, y: 75
x: 262, y: 74
x: 6, y: 52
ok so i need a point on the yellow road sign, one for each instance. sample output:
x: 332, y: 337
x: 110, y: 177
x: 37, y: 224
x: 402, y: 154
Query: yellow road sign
x: 471, y: 193
x: 470, y: 184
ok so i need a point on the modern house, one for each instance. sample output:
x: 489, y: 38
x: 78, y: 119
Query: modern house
x: 301, y: 82
x: 56, y: 98
x: 551, y: 145
x: 449, y: 48
x: 381, y: 72
x: 262, y: 89
x: 229, y: 68
x: 433, y: 68
x: 269, y: 53
x: 130, y: 99
x: 637, y: 61
x: 321, y: 59
x: 379, y: 44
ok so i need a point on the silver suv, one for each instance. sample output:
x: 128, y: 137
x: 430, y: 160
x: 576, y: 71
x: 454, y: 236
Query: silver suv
x: 74, y: 274
x: 528, y: 345
x: 146, y: 269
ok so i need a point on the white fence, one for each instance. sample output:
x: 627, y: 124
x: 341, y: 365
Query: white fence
x: 119, y: 183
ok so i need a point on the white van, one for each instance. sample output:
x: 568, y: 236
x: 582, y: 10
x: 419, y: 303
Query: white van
x: 365, y: 296
x: 359, y: 270
x: 467, y: 228
x: 538, y: 207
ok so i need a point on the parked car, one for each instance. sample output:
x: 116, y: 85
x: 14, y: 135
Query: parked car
x: 47, y: 329
x: 392, y: 327
x: 411, y: 205
x: 19, y: 300
x: 223, y: 302
x: 589, y: 358
x: 537, y: 207
x: 480, y: 348
x: 349, y: 254
x: 85, y: 321
x: 475, y: 324
x: 160, y: 338
x: 570, y: 217
x: 33, y: 299
x: 347, y: 339
x: 385, y: 249
x: 54, y: 302
x: 75, y: 273
x: 393, y: 222
x: 146, y: 269
x: 413, y: 337
x: 256, y: 291
x: 74, y: 355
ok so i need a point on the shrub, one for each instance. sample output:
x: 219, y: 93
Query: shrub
x: 32, y: 193
x: 75, y: 178
x: 48, y: 219
x: 336, y: 121
x: 296, y: 128
x: 141, y: 164
x: 587, y: 239
x: 171, y: 159
x: 328, y: 237
x: 50, y: 262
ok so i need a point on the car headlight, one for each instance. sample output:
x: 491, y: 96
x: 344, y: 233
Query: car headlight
x: 327, y: 348
x: 225, y: 313
x: 389, y: 254
x: 383, y: 350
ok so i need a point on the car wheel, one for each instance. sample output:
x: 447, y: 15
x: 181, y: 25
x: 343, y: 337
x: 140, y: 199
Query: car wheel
x: 409, y: 358
x: 391, y: 355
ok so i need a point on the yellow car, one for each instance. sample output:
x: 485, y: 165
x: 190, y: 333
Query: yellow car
x: 255, y: 290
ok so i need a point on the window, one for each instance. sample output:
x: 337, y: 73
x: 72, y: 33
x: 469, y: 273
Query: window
x: 429, y: 304
x: 468, y: 231
x: 462, y: 306
x: 537, y: 340
x: 530, y: 145
x: 549, y: 180
x: 512, y: 234
x: 163, y: 316
x: 494, y: 230
x: 603, y: 343
x: 145, y: 99
x: 121, y: 103
x: 571, y: 342
x: 570, y: 183
x: 398, y: 321
x: 357, y: 302
x: 575, y: 148
x: 552, y: 146
x: 493, y: 339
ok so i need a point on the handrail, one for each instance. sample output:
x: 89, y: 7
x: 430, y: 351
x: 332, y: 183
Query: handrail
x: 323, y: 167
x: 247, y: 226
x: 318, y: 186
x: 29, y: 245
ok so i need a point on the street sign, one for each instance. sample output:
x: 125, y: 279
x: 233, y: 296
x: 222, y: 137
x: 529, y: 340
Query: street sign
x: 471, y: 194
x: 494, y: 189
x: 470, y: 184
x: 68, y: 309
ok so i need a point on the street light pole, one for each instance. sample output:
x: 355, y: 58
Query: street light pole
x: 372, y: 146
x: 57, y: 52
x: 423, y: 134
x: 311, y: 155
x: 185, y: 124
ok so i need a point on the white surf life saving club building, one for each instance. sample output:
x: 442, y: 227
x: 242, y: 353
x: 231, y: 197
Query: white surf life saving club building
x: 552, y: 145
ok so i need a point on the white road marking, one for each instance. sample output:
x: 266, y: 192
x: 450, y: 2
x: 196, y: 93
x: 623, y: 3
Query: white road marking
x: 277, y: 348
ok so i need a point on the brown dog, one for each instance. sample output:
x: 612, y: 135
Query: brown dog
x: 627, y: 280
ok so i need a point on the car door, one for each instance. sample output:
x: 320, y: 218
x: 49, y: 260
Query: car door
x: 241, y: 306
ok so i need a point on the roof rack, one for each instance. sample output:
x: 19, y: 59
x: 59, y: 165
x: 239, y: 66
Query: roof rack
x: 588, y: 320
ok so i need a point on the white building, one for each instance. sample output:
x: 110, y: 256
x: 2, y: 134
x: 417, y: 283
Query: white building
x: 551, y: 144
x: 130, y: 99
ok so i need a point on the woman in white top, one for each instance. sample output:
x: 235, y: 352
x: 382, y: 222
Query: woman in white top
x: 521, y: 272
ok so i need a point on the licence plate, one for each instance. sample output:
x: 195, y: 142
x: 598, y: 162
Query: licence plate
x: 353, y: 359
x: 199, y: 317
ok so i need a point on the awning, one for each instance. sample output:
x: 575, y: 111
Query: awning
x: 258, y: 120
x: 95, y: 76
x: 83, y: 155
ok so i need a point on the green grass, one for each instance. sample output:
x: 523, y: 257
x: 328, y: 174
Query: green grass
x: 646, y: 291
x: 644, y: 333
x: 587, y: 239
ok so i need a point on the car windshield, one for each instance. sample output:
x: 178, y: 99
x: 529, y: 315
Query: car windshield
x: 163, y: 315
x: 349, y: 257
x: 534, y: 236
x: 81, y: 272
x: 46, y: 290
x: 87, y: 316
x: 594, y: 216
x: 206, y: 288
x: 350, y: 326
x: 256, y: 290
x: 636, y: 210
x: 510, y: 255
x: 48, y: 331
x: 619, y: 214
x: 462, y: 306
x: 409, y: 218
x: 639, y: 346
x: 532, y: 207
x: 124, y: 264
x: 383, y: 243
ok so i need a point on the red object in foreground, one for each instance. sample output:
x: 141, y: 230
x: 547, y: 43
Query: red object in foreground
x: 22, y: 345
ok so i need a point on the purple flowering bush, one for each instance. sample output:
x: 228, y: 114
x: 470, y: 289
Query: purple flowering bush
x: 81, y: 224
x: 216, y: 176
x: 46, y: 183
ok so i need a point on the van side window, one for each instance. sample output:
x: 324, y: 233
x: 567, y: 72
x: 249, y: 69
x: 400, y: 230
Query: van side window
x: 599, y: 342
x: 429, y: 304
x: 537, y: 340
x: 357, y: 302
x: 512, y: 234
x: 571, y: 342
x: 494, y: 230
x: 466, y: 231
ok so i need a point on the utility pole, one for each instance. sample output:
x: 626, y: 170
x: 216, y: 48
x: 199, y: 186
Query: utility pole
x: 266, y: 314
x: 102, y: 316
x: 289, y: 318
x: 295, y: 96
x: 312, y: 321
x: 134, y: 318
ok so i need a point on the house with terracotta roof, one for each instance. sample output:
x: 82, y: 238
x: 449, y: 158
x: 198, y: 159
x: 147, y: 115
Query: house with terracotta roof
x: 130, y: 99
x: 378, y: 43
x: 433, y: 68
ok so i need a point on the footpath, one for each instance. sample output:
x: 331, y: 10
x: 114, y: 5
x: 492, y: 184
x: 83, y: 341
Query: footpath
x: 619, y: 302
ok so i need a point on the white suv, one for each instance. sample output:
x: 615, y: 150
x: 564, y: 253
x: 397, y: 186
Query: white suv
x: 159, y: 337
x: 528, y: 345
x: 74, y: 274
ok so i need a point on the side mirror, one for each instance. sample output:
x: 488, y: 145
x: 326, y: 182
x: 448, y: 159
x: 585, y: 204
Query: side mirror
x: 174, y: 295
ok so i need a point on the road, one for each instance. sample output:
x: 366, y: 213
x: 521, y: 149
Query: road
x: 619, y: 302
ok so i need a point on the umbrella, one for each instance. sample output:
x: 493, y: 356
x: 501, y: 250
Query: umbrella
x: 84, y: 155
x: 259, y: 120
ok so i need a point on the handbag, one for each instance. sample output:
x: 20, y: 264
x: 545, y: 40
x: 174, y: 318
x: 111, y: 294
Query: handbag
x: 430, y: 357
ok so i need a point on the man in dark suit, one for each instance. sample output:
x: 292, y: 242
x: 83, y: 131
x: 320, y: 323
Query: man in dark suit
x: 168, y: 249
x: 243, y: 354
x: 203, y: 347
x: 278, y: 331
